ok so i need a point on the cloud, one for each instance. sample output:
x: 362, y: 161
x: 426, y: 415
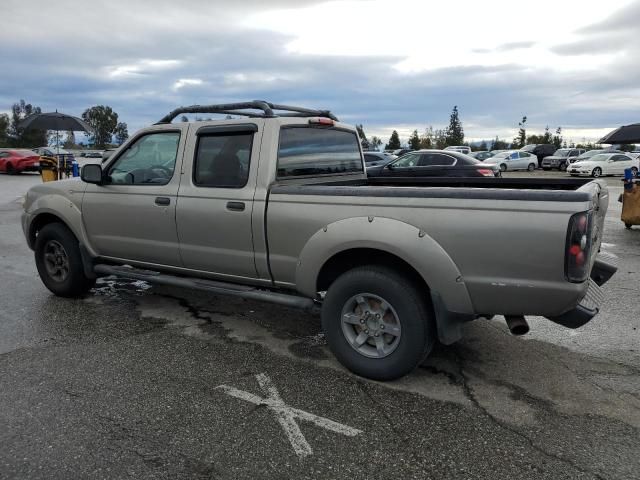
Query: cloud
x: 142, y: 67
x: 183, y: 82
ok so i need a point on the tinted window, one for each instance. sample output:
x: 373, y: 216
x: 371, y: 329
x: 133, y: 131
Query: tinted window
x: 620, y: 158
x: 371, y: 158
x: 436, y: 159
x: 222, y: 160
x: 149, y: 160
x: 318, y: 151
x: 408, y: 160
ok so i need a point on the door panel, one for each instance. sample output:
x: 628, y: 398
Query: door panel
x: 215, y: 199
x: 132, y: 216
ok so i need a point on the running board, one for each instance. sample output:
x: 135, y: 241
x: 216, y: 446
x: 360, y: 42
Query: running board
x: 219, y: 288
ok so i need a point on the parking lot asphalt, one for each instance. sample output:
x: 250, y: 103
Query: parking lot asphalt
x: 154, y: 382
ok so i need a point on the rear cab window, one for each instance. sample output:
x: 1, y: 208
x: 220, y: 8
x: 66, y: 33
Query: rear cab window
x: 313, y: 151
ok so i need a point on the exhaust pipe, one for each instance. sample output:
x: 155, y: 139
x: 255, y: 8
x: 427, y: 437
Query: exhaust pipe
x: 517, y: 324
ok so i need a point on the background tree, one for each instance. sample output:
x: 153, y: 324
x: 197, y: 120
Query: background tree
x: 546, y: 138
x: 483, y: 146
x: 557, y: 138
x: 363, y: 137
x: 499, y: 144
x: 440, y: 137
x: 414, y: 141
x: 185, y: 119
x: 4, y: 130
x: 121, y: 132
x: 394, y: 141
x: 427, y: 138
x: 455, y: 132
x: 521, y: 140
x: 376, y: 142
x: 21, y: 137
x: 104, y: 121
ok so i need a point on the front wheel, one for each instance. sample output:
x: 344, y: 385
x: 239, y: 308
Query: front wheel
x: 59, y: 262
x: 503, y: 167
x: 628, y: 226
x: 562, y: 167
x: 377, y: 322
x: 531, y: 167
x: 10, y: 169
x: 634, y: 170
x: 596, y: 172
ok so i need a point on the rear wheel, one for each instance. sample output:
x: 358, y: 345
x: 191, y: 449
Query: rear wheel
x: 531, y: 167
x: 503, y: 167
x: 596, y: 172
x: 377, y: 322
x: 628, y: 226
x: 634, y: 170
x: 10, y: 169
x: 59, y: 262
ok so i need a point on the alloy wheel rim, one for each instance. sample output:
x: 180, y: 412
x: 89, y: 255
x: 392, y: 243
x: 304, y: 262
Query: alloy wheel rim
x: 56, y: 261
x: 370, y: 325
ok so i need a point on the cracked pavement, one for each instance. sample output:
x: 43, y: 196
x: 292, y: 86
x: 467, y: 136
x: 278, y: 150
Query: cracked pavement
x: 123, y: 384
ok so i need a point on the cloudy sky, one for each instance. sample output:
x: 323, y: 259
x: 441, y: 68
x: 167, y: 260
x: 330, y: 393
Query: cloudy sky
x: 388, y: 64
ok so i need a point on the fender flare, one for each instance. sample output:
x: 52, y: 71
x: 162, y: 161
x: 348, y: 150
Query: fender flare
x: 401, y: 239
x: 61, y: 207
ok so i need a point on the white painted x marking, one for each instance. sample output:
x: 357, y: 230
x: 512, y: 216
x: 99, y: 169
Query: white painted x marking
x: 287, y: 415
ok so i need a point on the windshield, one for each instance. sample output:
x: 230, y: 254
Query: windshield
x: 528, y: 148
x: 590, y: 153
x: 563, y: 152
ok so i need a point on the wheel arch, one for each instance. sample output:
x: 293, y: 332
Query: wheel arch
x: 357, y: 241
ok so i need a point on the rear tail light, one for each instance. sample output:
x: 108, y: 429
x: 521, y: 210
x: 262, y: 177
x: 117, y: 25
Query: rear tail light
x: 578, y: 249
x: 485, y: 172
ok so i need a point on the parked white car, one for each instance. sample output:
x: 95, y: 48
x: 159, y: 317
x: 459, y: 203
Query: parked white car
x: 515, y: 160
x: 460, y: 148
x: 604, y: 164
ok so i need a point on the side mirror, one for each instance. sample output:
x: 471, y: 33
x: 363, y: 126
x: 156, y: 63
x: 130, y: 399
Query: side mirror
x: 91, y: 173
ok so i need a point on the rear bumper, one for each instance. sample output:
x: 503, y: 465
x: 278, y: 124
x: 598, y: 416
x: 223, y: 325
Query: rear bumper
x: 589, y: 305
x: 588, y: 308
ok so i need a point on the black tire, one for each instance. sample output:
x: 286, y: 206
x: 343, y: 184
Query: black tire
x: 10, y: 169
x: 634, y: 170
x: 597, y: 172
x: 503, y: 167
x: 409, y: 306
x: 628, y: 226
x: 546, y: 169
x: 531, y: 167
x: 562, y: 167
x: 75, y: 283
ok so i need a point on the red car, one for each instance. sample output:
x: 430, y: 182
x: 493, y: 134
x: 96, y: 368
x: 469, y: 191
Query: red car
x: 19, y: 160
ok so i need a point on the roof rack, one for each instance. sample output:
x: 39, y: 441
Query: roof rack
x: 266, y: 110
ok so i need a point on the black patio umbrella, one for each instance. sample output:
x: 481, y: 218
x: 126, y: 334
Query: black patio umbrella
x: 623, y: 135
x: 55, y: 121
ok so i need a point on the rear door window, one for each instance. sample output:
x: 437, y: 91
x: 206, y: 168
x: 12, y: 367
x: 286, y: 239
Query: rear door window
x: 223, y: 159
x: 436, y: 160
x: 318, y: 151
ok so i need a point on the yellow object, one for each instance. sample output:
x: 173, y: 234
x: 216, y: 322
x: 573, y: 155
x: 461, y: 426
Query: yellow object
x: 48, y: 169
x: 631, y: 206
